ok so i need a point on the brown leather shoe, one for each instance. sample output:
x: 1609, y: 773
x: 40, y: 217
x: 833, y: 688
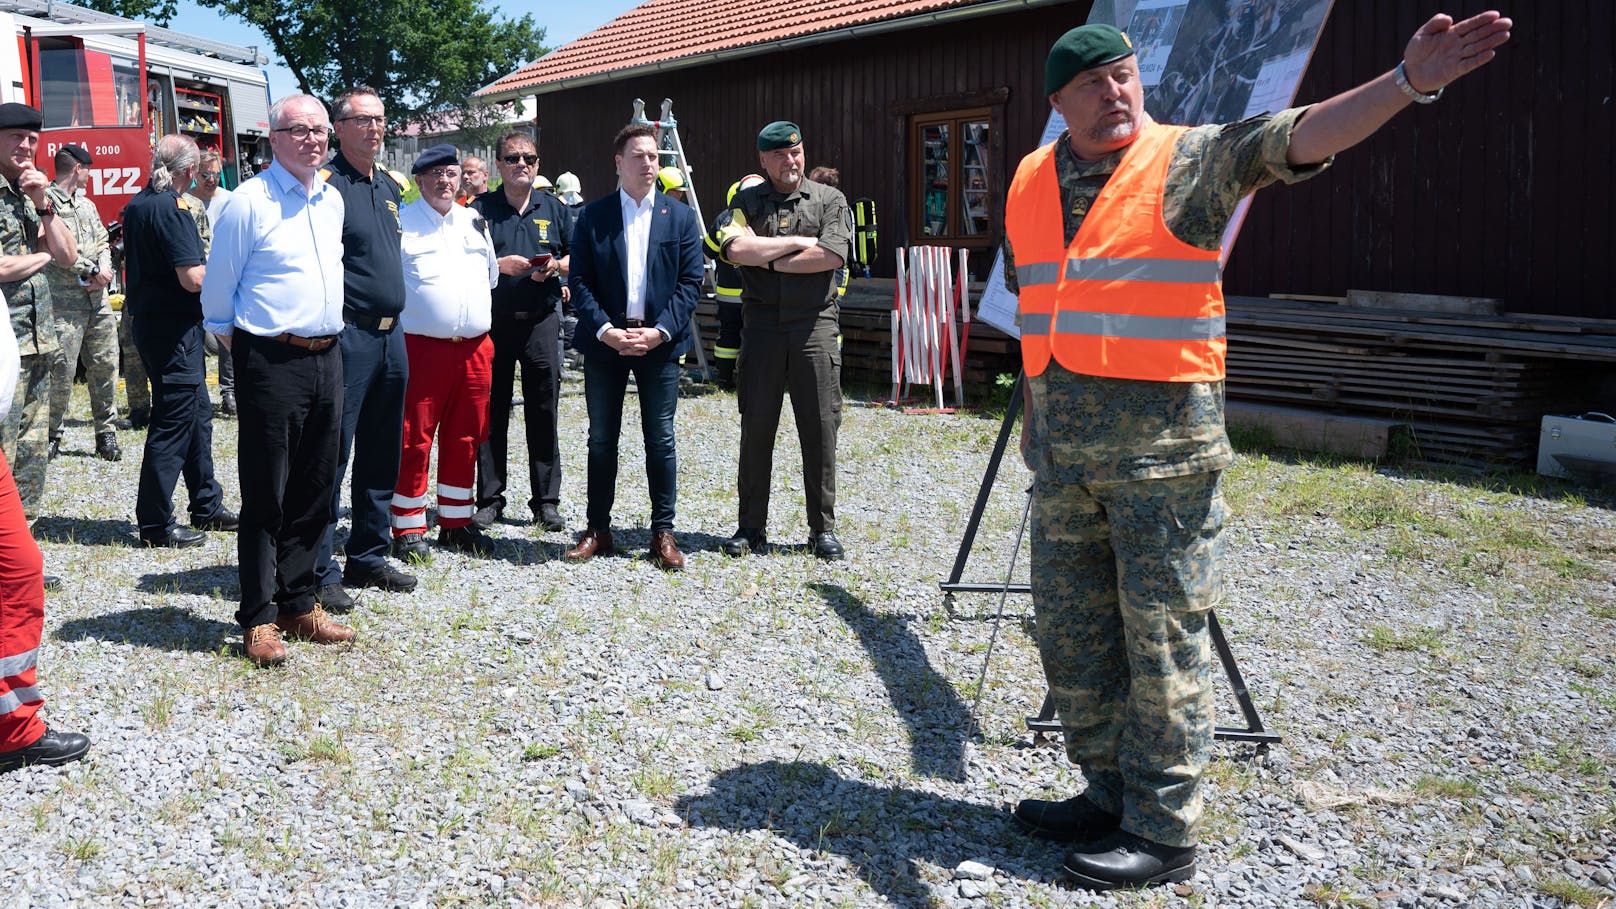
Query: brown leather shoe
x: 665, y: 553
x: 592, y: 543
x: 264, y: 647
x: 316, y: 626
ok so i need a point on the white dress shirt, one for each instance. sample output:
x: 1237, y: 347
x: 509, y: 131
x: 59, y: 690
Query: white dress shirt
x: 636, y: 242
x: 276, y: 264
x: 216, y: 203
x: 449, y: 271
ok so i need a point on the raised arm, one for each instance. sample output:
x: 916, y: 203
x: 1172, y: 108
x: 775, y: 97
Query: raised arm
x: 1440, y: 52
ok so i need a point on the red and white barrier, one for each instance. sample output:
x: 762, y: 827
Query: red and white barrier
x: 930, y: 299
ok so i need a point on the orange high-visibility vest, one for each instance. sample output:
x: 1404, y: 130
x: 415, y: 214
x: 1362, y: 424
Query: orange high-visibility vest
x: 1127, y: 300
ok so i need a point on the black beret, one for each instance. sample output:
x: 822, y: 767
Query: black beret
x: 79, y: 153
x: 779, y: 134
x: 1084, y: 47
x: 20, y: 116
x: 436, y: 156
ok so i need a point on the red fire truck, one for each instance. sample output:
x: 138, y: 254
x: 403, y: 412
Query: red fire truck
x: 115, y: 86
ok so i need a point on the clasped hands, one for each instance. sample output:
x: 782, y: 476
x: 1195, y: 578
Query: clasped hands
x: 632, y: 342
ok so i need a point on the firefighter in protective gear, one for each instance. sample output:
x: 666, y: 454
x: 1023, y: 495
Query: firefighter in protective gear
x: 727, y: 285
x: 671, y: 180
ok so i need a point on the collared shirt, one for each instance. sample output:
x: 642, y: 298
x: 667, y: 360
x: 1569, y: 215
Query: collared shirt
x: 449, y: 269
x: 70, y: 290
x: 160, y: 236
x: 544, y: 226
x: 372, y: 274
x: 810, y: 210
x: 33, y: 322
x: 636, y: 242
x: 277, y: 259
x: 1098, y: 429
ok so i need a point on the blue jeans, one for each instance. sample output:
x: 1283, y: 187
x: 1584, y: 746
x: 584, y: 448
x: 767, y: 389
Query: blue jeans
x: 605, y: 385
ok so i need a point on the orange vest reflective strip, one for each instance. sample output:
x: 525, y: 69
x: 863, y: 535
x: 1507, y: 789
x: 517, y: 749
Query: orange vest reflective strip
x: 1127, y: 299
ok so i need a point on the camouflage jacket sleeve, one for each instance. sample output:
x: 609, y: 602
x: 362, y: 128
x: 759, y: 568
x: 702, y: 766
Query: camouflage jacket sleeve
x: 199, y: 214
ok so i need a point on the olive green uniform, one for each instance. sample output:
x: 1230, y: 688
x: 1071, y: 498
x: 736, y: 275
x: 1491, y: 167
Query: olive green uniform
x: 1127, y: 514
x: 25, y: 436
x: 85, y: 325
x: 788, y: 343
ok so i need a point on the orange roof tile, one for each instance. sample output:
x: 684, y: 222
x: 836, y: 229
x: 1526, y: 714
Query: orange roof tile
x: 663, y: 31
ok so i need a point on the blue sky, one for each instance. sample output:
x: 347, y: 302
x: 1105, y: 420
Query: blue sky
x: 563, y: 22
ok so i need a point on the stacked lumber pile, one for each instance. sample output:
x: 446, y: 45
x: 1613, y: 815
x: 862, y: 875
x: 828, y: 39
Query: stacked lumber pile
x: 1471, y: 389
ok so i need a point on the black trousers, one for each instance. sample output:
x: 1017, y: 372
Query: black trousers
x: 533, y: 342
x: 179, y: 439
x: 289, y: 403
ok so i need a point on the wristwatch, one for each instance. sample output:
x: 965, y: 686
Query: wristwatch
x: 48, y: 211
x: 1418, y: 97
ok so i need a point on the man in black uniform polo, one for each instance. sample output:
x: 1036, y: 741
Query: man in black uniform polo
x: 375, y: 368
x: 527, y: 325
x: 164, y: 258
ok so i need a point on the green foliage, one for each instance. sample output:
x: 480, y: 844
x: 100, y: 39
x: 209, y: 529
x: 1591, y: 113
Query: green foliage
x: 157, y: 12
x: 420, y: 57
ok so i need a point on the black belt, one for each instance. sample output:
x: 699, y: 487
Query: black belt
x: 630, y: 323
x: 526, y: 315
x: 369, y: 323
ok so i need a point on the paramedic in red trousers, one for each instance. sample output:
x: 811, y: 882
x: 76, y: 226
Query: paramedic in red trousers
x: 24, y: 738
x: 1113, y: 243
x: 374, y: 365
x: 449, y: 270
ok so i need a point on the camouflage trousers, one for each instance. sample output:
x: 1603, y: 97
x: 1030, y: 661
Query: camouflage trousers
x: 25, y: 435
x: 1124, y: 576
x: 90, y: 335
x: 137, y: 387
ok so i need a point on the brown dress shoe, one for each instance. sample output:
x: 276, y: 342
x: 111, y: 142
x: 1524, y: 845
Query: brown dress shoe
x: 665, y: 553
x: 592, y: 543
x: 315, y: 626
x: 264, y: 647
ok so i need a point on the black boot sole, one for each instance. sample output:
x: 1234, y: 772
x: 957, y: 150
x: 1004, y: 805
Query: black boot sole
x: 1171, y: 876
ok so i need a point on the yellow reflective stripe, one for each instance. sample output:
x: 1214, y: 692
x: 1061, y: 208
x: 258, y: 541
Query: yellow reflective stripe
x: 726, y: 353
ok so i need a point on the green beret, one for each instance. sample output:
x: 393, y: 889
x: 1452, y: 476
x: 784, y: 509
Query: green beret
x: 1084, y: 47
x: 779, y: 134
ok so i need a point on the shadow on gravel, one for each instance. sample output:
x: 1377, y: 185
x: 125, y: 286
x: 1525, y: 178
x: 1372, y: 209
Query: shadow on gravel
x: 161, y: 627
x: 884, y: 832
x: 222, y: 582
x: 88, y: 531
x: 938, y: 720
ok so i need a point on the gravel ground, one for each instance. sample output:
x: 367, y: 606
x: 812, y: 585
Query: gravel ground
x: 776, y: 731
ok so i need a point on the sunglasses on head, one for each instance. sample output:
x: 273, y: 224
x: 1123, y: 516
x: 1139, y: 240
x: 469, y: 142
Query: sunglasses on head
x: 524, y: 159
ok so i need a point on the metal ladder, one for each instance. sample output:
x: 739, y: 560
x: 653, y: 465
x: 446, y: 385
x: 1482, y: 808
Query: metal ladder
x: 672, y: 153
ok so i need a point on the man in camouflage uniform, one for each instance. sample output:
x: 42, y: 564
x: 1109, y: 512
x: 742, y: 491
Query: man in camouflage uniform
x: 1126, y: 505
x: 85, y: 325
x: 30, y: 236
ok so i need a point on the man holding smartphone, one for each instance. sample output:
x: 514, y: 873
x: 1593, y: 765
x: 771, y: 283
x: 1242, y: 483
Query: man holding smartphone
x: 532, y: 234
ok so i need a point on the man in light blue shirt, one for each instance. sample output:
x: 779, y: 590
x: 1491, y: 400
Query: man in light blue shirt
x: 273, y: 293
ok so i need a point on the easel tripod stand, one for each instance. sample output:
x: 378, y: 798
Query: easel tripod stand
x: 1046, y: 720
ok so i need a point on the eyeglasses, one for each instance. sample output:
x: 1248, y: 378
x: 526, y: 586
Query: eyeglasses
x: 441, y: 173
x: 206, y: 175
x: 523, y: 159
x: 372, y: 122
x: 301, y: 132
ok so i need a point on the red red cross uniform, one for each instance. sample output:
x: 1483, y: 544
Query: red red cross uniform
x: 449, y: 269
x: 22, y: 618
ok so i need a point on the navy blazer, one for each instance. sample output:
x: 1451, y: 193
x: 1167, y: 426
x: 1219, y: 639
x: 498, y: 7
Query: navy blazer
x: 599, y: 282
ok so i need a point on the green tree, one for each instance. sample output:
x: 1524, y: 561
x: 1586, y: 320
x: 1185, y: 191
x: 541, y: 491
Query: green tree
x: 419, y: 56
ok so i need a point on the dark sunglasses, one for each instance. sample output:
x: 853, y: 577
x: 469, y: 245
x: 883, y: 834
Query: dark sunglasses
x: 524, y: 159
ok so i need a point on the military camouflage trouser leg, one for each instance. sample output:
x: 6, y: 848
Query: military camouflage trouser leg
x: 1123, y: 578
x: 92, y: 336
x: 25, y: 435
x: 136, y: 387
